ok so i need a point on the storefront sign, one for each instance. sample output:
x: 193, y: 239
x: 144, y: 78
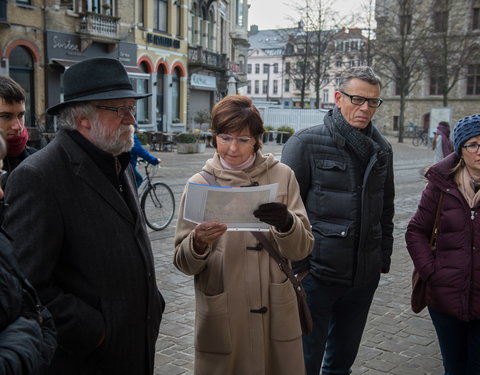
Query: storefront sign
x: 203, y: 81
x: 162, y: 41
x: 66, y: 46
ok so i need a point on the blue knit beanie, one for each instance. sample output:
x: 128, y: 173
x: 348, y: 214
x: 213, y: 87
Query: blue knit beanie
x: 465, y: 129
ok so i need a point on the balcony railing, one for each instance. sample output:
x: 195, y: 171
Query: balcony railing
x: 198, y: 56
x: 99, y: 25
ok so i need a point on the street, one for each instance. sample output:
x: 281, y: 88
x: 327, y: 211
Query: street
x: 395, y: 341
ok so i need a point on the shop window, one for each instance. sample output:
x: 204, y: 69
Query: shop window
x: 176, y: 96
x: 140, y: 85
x: 21, y: 70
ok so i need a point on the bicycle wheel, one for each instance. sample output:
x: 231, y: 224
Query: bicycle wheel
x: 417, y: 140
x: 158, y: 205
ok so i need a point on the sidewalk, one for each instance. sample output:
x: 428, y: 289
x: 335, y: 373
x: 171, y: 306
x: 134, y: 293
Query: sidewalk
x: 395, y: 341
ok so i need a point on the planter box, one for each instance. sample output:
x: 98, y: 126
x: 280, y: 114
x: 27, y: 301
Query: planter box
x: 191, y: 148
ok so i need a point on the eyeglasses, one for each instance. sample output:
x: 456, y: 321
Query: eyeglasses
x: 471, y: 147
x: 121, y: 111
x: 359, y: 100
x: 227, y: 139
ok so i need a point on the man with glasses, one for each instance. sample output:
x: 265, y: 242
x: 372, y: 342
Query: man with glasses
x: 345, y: 172
x: 80, y: 234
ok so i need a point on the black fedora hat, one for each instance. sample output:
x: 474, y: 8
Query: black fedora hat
x: 98, y: 78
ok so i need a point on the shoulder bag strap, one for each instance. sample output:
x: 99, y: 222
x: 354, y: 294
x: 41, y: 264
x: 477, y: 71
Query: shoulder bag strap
x: 210, y: 178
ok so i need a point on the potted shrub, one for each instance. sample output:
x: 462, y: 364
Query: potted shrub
x: 202, y: 117
x: 187, y: 143
x: 285, y: 137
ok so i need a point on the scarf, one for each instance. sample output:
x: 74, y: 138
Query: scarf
x: 447, y: 145
x: 358, y: 141
x: 246, y: 164
x: 16, y: 143
x: 464, y: 183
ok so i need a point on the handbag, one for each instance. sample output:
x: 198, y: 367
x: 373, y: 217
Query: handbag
x: 419, y: 286
x: 306, y: 321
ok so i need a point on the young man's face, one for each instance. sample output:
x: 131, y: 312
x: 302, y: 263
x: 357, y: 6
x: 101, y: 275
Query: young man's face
x: 359, y: 116
x: 12, y: 117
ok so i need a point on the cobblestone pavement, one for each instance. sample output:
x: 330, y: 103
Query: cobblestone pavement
x: 396, y: 341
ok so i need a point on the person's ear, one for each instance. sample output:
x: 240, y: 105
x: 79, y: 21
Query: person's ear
x: 83, y: 123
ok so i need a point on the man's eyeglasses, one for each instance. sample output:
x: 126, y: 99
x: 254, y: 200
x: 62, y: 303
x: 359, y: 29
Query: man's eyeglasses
x: 471, y: 147
x: 227, y: 139
x: 121, y: 111
x: 359, y: 100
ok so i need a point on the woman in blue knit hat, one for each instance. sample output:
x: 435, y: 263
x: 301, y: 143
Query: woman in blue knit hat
x: 452, y: 273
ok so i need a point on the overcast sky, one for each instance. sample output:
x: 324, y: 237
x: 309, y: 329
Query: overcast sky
x: 273, y: 14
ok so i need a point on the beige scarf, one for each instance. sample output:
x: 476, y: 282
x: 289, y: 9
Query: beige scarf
x: 464, y: 183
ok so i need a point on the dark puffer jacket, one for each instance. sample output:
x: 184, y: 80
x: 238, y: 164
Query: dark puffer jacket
x: 27, y: 332
x: 350, y: 212
x: 453, y: 275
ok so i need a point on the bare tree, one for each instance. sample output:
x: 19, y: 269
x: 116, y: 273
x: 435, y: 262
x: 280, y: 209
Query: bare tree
x: 398, y: 48
x: 451, y: 47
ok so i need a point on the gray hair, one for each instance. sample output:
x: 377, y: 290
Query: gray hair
x: 365, y: 73
x: 66, y: 118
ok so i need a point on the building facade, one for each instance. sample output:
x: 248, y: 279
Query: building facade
x: 217, y: 52
x: 162, y: 57
x: 453, y: 28
x: 22, y: 52
x: 279, y: 68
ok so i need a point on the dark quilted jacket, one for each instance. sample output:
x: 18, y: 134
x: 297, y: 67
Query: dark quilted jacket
x: 453, y: 275
x: 350, y: 212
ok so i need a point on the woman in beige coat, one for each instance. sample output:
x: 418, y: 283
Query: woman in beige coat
x: 246, y: 319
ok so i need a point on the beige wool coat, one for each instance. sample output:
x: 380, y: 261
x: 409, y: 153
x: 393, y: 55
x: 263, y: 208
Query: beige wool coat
x: 231, y: 280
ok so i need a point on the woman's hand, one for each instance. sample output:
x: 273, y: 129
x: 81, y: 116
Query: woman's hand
x: 205, y: 234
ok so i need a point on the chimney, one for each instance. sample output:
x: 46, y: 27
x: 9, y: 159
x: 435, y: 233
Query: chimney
x: 253, y: 29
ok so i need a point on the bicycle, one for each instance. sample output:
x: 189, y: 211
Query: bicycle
x: 420, y: 139
x: 156, y: 200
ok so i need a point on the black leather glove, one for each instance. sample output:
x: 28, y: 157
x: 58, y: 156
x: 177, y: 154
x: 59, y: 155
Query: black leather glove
x: 275, y: 214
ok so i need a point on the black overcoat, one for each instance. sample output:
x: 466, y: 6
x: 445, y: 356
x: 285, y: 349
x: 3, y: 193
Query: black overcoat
x: 86, y: 250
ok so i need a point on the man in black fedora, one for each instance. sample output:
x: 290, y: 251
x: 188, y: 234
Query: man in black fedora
x: 79, y: 232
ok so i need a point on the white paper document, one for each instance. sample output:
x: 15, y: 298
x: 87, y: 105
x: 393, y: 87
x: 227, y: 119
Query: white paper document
x: 228, y: 205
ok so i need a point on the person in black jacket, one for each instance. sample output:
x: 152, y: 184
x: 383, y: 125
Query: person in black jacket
x: 12, y: 122
x: 82, y: 239
x: 27, y: 332
x: 345, y: 172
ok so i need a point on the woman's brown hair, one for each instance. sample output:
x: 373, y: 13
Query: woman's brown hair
x: 235, y: 113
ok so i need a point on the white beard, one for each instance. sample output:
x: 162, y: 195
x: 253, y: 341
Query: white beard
x: 113, y: 142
